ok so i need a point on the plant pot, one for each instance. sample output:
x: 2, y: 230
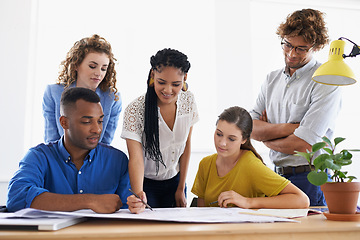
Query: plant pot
x: 341, y: 197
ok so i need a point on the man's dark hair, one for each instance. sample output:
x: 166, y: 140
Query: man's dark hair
x: 71, y: 95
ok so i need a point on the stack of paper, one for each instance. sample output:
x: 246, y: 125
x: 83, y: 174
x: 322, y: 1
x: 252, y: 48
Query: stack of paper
x: 37, y: 220
x: 52, y: 220
x: 194, y: 214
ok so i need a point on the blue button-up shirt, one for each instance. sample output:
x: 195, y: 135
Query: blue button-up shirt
x: 298, y: 99
x: 48, y: 168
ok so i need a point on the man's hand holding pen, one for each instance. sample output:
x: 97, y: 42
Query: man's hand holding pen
x: 137, y: 202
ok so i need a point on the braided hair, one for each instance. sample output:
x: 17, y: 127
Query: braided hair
x: 163, y: 58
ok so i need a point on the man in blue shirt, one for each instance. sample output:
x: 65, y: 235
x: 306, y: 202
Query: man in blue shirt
x: 292, y: 112
x: 75, y: 172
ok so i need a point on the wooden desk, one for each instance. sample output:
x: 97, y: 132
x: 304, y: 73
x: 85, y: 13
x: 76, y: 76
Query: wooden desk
x: 312, y: 227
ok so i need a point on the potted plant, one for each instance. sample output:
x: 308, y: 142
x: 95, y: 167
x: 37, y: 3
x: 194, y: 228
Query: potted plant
x: 328, y: 161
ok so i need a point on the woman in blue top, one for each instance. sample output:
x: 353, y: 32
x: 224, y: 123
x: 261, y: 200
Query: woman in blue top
x: 90, y: 63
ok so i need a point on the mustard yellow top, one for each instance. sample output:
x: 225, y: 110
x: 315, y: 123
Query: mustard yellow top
x: 250, y: 178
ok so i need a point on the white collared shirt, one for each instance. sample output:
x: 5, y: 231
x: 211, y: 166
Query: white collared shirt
x: 298, y: 99
x: 172, y: 143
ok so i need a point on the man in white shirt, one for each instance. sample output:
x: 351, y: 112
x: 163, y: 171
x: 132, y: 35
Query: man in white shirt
x: 292, y: 112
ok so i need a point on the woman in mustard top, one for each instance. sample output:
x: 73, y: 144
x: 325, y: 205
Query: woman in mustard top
x: 236, y: 175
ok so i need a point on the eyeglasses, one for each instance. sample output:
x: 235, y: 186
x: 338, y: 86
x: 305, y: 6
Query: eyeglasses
x: 286, y: 46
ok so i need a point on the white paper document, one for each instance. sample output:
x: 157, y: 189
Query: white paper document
x: 190, y: 215
x: 29, y: 219
x: 283, y: 213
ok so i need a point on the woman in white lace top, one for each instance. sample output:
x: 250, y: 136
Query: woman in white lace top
x: 157, y: 128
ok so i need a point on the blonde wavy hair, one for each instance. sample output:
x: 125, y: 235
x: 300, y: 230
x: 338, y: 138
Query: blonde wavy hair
x: 76, y: 55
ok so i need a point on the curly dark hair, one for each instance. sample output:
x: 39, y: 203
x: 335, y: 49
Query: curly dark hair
x: 309, y: 24
x: 164, y: 58
x: 76, y: 55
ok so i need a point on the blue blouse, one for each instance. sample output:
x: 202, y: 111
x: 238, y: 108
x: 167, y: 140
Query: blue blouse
x: 48, y: 168
x: 51, y: 112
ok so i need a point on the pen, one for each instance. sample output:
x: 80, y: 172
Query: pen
x: 147, y: 205
x: 213, y: 203
x: 3, y: 209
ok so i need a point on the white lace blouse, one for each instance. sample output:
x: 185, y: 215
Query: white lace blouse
x: 172, y: 143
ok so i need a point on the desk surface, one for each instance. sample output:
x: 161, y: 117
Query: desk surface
x: 312, y: 227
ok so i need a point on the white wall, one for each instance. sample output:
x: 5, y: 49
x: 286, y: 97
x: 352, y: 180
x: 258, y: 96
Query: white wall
x: 231, y: 45
x: 15, y: 28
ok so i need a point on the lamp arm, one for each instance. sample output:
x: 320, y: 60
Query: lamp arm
x: 355, y: 50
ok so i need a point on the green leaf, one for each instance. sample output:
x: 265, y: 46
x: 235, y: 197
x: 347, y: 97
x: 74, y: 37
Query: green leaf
x: 343, y: 162
x: 354, y: 150
x: 319, y: 161
x: 338, y: 157
x: 325, y: 139
x: 346, y: 154
x: 307, y: 156
x: 330, y: 164
x: 317, y: 178
x: 318, y: 146
x: 328, y: 150
x: 338, y: 140
x: 351, y: 178
x: 342, y: 175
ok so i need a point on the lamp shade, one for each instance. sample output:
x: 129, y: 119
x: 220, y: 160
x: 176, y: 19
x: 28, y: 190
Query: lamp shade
x: 335, y: 71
